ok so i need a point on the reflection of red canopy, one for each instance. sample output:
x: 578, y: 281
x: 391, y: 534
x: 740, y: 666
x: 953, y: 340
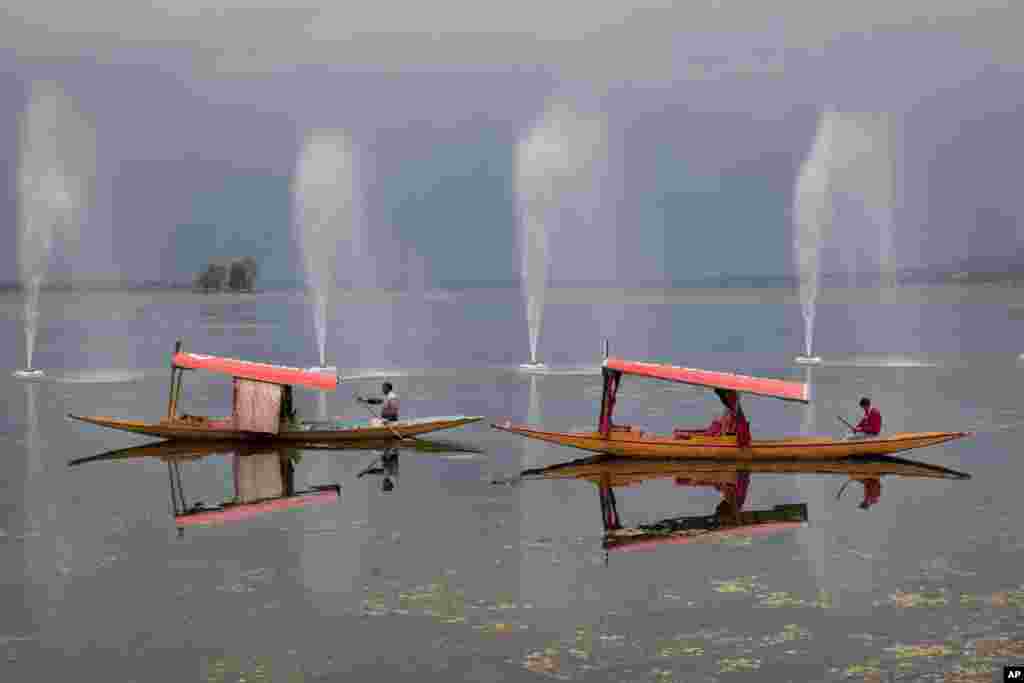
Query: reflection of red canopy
x: 236, y: 513
x: 649, y: 541
x: 263, y: 372
x: 775, y: 388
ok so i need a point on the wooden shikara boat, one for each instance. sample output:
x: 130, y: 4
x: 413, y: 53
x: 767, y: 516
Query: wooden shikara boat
x: 262, y: 409
x: 629, y: 441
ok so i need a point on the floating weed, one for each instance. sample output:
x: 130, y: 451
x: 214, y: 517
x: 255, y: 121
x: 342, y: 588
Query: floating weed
x: 584, y: 645
x: 779, y: 599
x: 870, y: 666
x: 923, y: 599
x: 375, y: 605
x: 1008, y: 599
x: 541, y: 663
x: 735, y: 664
x: 905, y: 652
x: 662, y: 675
x: 959, y: 676
x: 740, y: 585
x: 975, y: 665
x: 969, y: 600
x: 500, y: 627
x: 824, y: 600
x: 680, y: 650
x: 789, y: 633
x: 991, y: 648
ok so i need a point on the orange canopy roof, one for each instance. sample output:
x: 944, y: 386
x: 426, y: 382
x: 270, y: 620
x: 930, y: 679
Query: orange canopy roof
x: 775, y: 388
x: 264, y: 372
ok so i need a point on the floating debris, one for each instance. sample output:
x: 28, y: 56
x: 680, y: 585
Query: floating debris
x: 904, y: 652
x: 733, y: 664
x: 909, y: 600
x: 1013, y: 649
x: 871, y: 666
x: 740, y: 585
x: 780, y: 599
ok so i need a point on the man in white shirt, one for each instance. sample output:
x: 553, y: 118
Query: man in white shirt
x: 389, y: 404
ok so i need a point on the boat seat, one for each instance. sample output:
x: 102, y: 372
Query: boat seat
x: 221, y: 423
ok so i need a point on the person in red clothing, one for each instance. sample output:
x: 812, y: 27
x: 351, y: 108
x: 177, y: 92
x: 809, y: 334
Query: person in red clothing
x: 871, y: 423
x: 733, y: 421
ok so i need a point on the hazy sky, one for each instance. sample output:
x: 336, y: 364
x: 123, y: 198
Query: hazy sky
x: 710, y: 109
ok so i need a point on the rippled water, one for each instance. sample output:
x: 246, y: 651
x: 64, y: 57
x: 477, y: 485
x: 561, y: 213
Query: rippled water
x: 450, y: 577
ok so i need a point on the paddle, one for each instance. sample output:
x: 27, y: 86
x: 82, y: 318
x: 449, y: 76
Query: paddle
x: 852, y: 428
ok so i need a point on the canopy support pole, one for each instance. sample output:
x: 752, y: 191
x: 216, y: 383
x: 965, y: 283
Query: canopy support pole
x: 172, y: 397
x: 611, y: 387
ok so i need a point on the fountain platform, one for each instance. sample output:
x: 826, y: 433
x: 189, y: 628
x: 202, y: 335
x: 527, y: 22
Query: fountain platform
x: 807, y: 360
x: 29, y: 373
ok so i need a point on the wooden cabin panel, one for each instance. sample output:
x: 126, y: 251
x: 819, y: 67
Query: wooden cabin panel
x: 257, y: 406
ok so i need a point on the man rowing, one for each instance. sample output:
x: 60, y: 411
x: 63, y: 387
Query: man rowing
x: 869, y: 425
x: 389, y: 404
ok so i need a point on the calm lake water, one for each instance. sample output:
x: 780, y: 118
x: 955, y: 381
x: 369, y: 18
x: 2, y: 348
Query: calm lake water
x: 448, y: 576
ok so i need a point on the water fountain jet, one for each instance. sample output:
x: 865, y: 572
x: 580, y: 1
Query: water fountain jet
x: 812, y: 213
x: 550, y: 162
x: 325, y: 203
x: 56, y: 161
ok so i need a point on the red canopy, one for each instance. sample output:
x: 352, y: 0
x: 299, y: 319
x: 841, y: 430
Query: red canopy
x: 263, y: 372
x: 236, y: 513
x: 775, y: 388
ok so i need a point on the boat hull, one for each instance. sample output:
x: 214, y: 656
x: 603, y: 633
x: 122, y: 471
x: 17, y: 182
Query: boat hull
x: 625, y: 442
x: 629, y: 471
x: 320, y: 432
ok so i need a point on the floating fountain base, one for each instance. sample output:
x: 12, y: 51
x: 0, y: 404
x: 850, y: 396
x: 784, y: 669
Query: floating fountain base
x: 326, y: 370
x: 533, y: 367
x: 807, y: 360
x: 29, y: 374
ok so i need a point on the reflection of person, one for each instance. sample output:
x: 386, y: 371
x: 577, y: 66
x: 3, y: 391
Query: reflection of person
x: 872, y: 492
x: 388, y: 468
x: 870, y: 424
x: 389, y: 404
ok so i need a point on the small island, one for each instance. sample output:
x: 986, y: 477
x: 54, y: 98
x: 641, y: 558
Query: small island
x: 233, y: 275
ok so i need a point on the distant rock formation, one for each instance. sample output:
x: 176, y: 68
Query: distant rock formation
x: 236, y: 275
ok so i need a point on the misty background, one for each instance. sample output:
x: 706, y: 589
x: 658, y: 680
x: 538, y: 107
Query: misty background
x: 199, y: 115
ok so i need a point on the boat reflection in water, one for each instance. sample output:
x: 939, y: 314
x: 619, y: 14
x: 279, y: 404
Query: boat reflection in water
x: 263, y: 475
x: 731, y: 479
x: 263, y: 480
